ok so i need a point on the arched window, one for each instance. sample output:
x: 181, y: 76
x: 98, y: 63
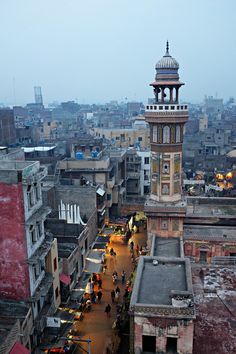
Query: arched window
x: 177, y: 136
x: 166, y: 135
x: 154, y: 134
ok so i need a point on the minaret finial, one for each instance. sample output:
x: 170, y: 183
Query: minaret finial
x: 167, y: 47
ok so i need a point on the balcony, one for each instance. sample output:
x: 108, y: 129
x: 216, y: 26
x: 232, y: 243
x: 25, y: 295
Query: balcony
x: 133, y: 175
x: 109, y: 203
x: 166, y: 107
x: 41, y: 174
x: 111, y: 182
x: 101, y: 206
x: 47, y: 311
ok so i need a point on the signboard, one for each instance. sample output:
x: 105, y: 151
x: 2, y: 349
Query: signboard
x: 53, y: 322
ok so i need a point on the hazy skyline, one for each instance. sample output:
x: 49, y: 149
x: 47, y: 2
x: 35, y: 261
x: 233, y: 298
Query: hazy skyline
x: 97, y: 51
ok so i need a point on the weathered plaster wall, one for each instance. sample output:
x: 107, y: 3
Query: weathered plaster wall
x: 14, y: 276
x: 163, y: 328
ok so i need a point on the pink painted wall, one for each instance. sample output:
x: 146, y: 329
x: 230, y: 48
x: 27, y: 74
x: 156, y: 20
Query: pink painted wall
x: 14, y: 275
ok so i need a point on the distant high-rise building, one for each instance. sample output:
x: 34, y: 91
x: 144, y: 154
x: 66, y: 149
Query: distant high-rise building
x: 7, y: 127
x: 38, y: 95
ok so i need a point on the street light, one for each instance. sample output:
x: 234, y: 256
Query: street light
x: 77, y: 339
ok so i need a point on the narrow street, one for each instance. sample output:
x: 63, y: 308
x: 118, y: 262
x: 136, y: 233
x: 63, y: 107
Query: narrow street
x: 96, y: 325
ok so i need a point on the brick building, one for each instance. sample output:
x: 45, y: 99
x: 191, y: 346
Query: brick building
x: 28, y: 262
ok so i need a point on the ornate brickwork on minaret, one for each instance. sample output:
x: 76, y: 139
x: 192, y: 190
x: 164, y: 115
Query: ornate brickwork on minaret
x: 165, y: 207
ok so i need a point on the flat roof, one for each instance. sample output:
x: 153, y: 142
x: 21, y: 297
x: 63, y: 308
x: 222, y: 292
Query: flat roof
x: 215, y: 305
x: 166, y: 247
x: 210, y: 233
x: 13, y: 309
x: 158, y: 281
x: 15, y: 165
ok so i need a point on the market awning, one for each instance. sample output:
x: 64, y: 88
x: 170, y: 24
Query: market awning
x: 94, y: 261
x: 100, y: 191
x: 99, y: 246
x: 38, y: 148
x: 65, y: 279
x: 101, y: 242
x: 19, y: 348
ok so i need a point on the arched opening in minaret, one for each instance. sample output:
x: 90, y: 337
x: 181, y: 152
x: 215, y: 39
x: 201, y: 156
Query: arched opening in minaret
x: 166, y: 135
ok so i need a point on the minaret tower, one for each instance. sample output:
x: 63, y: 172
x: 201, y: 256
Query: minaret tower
x: 165, y: 208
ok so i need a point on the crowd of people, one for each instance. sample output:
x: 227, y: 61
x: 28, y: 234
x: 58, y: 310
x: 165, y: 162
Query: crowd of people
x: 122, y: 286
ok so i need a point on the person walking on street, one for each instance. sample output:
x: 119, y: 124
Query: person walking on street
x: 108, y: 310
x: 113, y: 294
x: 131, y: 246
x: 100, y: 283
x: 117, y: 294
x: 99, y: 296
x: 94, y: 297
x: 117, y: 290
x: 123, y: 277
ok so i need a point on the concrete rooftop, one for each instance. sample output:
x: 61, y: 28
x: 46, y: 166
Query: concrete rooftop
x: 210, y: 233
x: 158, y: 281
x: 215, y: 304
x: 16, y: 165
x: 166, y: 247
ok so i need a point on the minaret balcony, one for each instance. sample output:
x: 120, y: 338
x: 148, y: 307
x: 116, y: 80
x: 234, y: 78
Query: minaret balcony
x: 166, y: 107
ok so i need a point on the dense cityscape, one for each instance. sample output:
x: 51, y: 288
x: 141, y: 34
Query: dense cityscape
x: 118, y: 219
x: 99, y: 189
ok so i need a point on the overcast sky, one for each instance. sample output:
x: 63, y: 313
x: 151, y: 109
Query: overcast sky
x: 102, y: 50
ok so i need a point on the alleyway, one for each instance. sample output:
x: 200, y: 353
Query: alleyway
x: 95, y: 324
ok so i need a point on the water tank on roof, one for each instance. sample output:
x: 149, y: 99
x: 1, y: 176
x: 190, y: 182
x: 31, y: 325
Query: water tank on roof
x: 79, y: 155
x: 94, y: 153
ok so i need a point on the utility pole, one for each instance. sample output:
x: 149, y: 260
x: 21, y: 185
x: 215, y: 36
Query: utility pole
x: 77, y: 339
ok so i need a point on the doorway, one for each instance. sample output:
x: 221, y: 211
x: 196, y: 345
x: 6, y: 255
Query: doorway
x: 171, y: 345
x: 149, y: 344
x: 203, y: 257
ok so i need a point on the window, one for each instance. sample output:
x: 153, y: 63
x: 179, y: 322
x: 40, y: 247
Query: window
x: 166, y: 135
x: 117, y: 138
x: 165, y: 189
x: 166, y: 167
x: 177, y: 137
x: 30, y: 196
x: 108, y: 196
x: 171, y: 345
x: 140, y: 138
x: 56, y: 292
x: 164, y: 224
x: 39, y: 229
x: 154, y: 134
x: 146, y: 160
x: 149, y: 344
x: 175, y: 224
x: 122, y: 137
x: 154, y: 224
x: 33, y: 234
x: 55, y: 264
